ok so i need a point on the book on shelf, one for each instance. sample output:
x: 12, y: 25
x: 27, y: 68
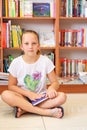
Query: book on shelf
x: 72, y: 37
x: 4, y: 75
x: 4, y: 35
x: 3, y: 82
x: 83, y: 77
x: 28, y: 8
x: 52, y: 9
x: 63, y: 8
x: 41, y: 9
x: 73, y: 8
x: 47, y: 38
x: 11, y: 7
x: 72, y: 67
x: 25, y: 8
x: 14, y: 36
x: 6, y: 64
x: 4, y: 78
x: 16, y: 8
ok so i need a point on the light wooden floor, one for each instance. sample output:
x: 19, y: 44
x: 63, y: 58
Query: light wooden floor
x: 75, y: 117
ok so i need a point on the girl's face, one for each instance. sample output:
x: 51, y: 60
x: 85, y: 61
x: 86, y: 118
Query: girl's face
x: 30, y: 44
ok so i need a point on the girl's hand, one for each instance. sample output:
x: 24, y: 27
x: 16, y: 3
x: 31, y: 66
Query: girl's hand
x: 51, y: 93
x: 34, y: 96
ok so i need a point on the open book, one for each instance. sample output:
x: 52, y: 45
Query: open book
x: 39, y: 100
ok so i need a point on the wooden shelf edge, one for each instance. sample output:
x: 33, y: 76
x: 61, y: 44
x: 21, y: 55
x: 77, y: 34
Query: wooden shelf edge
x: 3, y: 87
x: 69, y: 88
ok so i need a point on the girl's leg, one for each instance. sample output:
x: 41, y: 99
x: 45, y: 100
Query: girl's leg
x: 15, y: 99
x: 55, y: 102
x: 51, y: 103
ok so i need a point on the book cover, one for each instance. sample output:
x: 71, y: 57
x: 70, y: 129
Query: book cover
x: 47, y: 38
x: 39, y: 100
x: 41, y: 9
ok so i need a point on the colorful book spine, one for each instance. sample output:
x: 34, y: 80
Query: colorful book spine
x: 4, y: 35
x: 21, y: 8
x: 52, y: 9
x: 63, y: 8
x: 16, y: 8
x: 14, y: 36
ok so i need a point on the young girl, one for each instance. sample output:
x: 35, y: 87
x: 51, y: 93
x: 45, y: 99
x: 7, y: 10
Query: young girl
x: 27, y: 81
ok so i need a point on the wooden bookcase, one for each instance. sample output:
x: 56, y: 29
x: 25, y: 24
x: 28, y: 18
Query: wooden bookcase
x: 1, y: 50
x: 55, y: 23
x: 73, y: 52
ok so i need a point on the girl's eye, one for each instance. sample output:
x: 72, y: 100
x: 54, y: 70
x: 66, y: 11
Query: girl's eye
x: 34, y: 43
x: 26, y: 43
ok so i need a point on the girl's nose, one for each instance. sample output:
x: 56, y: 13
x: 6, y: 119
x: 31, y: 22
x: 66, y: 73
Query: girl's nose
x: 30, y: 45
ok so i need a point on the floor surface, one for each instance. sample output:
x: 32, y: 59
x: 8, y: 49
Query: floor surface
x: 75, y: 117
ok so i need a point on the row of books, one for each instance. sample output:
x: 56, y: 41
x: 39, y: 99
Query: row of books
x: 73, y: 8
x: 27, y: 8
x: 13, y: 33
x: 7, y: 61
x: 4, y: 78
x: 73, y: 38
x: 72, y: 67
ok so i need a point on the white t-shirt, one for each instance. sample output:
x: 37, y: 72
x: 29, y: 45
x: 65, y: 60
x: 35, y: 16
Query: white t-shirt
x: 31, y: 76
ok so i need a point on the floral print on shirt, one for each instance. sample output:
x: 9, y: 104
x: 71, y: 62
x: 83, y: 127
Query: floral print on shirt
x: 31, y: 81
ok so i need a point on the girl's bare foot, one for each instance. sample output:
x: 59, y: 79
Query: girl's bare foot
x: 19, y: 112
x: 57, y: 112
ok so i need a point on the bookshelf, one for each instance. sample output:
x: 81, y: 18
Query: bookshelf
x: 54, y: 23
x: 1, y: 50
x: 72, y: 45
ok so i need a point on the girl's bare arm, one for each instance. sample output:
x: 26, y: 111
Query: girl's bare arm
x: 54, y: 85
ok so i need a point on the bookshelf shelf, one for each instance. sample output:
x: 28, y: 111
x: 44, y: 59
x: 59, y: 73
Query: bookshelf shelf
x: 73, y: 48
x: 29, y: 18
x: 72, y: 18
x: 42, y: 48
x: 72, y: 88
